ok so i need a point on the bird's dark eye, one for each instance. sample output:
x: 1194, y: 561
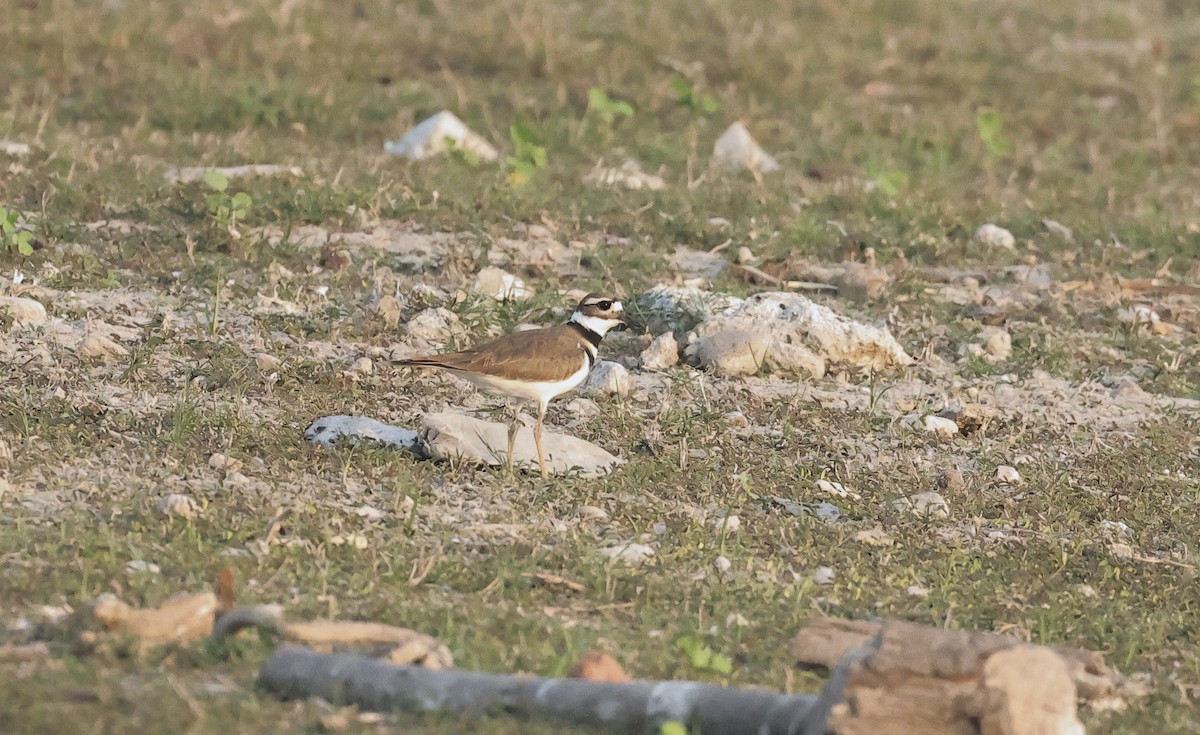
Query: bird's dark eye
x: 605, y: 305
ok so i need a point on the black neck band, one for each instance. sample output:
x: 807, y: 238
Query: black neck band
x: 587, y: 334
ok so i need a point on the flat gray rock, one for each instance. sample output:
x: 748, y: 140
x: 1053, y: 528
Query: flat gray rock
x: 328, y: 430
x: 455, y: 436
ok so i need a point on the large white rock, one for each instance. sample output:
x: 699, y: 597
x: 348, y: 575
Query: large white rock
x: 790, y: 333
x: 23, y: 311
x: 736, y: 149
x: 438, y: 134
x: 455, y: 436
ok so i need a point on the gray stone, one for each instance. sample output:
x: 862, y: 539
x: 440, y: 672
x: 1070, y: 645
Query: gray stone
x: 455, y: 436
x: 326, y: 431
x: 609, y: 377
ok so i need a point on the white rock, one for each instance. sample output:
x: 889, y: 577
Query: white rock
x: 837, y: 489
x: 100, y: 346
x: 630, y: 553
x: 727, y: 524
x: 790, y: 333
x: 371, y: 513
x: 824, y: 575
x: 22, y: 310
x: 609, y: 377
x: 1058, y: 228
x: 434, y: 325
x: 746, y: 256
x: 363, y: 366
x: 736, y: 150
x: 196, y: 173
x: 14, y: 148
x: 994, y: 236
x: 731, y: 351
x: 924, y: 504
x: 1007, y: 474
x: 176, y: 504
x: 268, y: 363
x: 501, y: 285
x: 940, y: 426
x: 629, y: 175
x: 916, y: 590
x: 994, y: 344
x: 326, y: 431
x: 455, y: 436
x: 722, y: 564
x: 438, y: 134
x: 139, y: 566
x: 591, y: 513
x: 662, y: 353
x: 220, y: 461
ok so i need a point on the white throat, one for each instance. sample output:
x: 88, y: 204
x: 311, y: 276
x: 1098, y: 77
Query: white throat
x: 595, y: 324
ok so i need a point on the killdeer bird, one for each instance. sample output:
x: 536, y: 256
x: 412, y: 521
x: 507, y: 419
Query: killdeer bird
x: 535, y: 366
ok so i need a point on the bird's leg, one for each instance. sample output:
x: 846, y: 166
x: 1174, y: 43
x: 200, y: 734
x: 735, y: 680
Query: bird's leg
x: 512, y: 434
x: 537, y: 439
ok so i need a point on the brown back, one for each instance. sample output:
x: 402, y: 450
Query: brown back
x: 551, y: 354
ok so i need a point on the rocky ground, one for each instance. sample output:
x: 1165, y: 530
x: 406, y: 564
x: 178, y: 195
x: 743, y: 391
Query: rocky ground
x: 960, y: 388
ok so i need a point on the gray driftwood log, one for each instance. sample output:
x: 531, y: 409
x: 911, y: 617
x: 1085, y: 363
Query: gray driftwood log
x: 638, y: 706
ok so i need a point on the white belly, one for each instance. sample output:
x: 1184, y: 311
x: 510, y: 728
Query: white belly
x: 540, y: 392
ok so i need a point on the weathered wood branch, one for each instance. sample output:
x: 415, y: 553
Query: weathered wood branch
x: 404, y: 646
x: 638, y: 706
x: 825, y: 640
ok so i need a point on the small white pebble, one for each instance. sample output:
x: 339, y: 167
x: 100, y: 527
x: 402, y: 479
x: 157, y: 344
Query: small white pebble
x: 363, y: 366
x: 723, y: 565
x: 836, y: 488
x: 995, y: 236
x: 916, y: 590
x: 727, y: 524
x: 940, y: 426
x: 591, y: 513
x: 138, y: 566
x: 368, y: 512
x: 630, y: 553
x: 1008, y: 474
x: 176, y: 504
x: 824, y: 575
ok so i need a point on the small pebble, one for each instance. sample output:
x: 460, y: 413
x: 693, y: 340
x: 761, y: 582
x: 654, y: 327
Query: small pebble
x: 932, y: 504
x: 723, y: 565
x: 1007, y: 474
x: 941, y: 427
x: 996, y: 237
x: 629, y: 553
x: 824, y: 575
x: 176, y: 504
x: 363, y: 366
x: 138, y: 566
x: 727, y: 524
